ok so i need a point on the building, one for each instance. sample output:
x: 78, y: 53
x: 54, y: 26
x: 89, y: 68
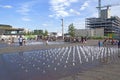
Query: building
x: 98, y: 32
x: 9, y: 30
x: 110, y: 25
x: 105, y: 13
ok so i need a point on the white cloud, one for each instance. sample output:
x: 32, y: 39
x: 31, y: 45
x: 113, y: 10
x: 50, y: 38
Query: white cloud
x: 62, y: 13
x: 6, y: 6
x: 59, y: 7
x: 85, y: 5
x: 26, y: 7
x: 51, y: 16
x: 74, y: 12
x: 24, y: 10
x: 73, y: 0
x: 45, y: 25
x: 26, y: 19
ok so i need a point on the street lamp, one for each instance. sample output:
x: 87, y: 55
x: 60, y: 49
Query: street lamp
x: 62, y: 29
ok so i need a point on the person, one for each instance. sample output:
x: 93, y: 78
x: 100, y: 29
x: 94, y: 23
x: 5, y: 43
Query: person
x: 20, y: 40
x: 82, y: 39
x: 105, y: 42
x: 12, y: 39
x: 46, y: 42
x: 24, y: 41
x: 99, y: 43
x: 9, y: 41
x: 119, y: 48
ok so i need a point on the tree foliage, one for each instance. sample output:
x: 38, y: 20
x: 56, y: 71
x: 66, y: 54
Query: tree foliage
x: 38, y: 32
x: 46, y: 33
x: 71, y: 30
x: 29, y: 33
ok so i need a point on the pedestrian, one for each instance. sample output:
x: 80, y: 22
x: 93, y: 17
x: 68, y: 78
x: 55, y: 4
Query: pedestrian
x: 9, y: 41
x: 119, y: 48
x: 20, y: 39
x: 24, y: 41
x: 105, y: 42
x: 46, y: 42
x: 82, y: 39
x: 99, y: 43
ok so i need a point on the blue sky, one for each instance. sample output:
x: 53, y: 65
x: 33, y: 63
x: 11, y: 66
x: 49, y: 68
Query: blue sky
x: 47, y: 14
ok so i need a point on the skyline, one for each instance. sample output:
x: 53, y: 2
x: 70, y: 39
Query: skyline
x: 47, y: 14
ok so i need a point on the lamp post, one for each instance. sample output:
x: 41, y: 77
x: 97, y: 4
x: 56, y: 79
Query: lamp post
x: 62, y: 29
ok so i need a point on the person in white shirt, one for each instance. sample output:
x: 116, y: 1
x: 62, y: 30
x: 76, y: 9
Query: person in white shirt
x: 20, y: 40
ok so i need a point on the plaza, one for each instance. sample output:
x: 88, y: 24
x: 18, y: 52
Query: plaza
x: 61, y: 61
x: 59, y: 40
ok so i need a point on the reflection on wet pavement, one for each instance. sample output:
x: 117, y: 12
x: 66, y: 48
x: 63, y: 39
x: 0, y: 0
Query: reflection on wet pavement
x: 28, y: 43
x: 51, y: 64
x: 3, y: 45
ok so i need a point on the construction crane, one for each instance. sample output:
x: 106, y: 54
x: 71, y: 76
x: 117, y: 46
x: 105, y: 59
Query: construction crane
x: 106, y: 6
x: 99, y: 8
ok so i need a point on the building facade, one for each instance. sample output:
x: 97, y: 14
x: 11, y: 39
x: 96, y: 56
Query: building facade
x: 98, y: 32
x: 110, y: 25
x: 9, y: 30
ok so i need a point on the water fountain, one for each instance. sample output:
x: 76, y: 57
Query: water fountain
x: 68, y: 60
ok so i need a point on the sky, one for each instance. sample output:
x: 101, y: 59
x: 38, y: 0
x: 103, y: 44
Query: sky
x: 47, y: 14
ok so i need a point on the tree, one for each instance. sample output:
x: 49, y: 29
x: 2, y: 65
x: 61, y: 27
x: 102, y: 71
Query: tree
x: 38, y: 32
x: 30, y: 33
x: 46, y: 33
x: 71, y: 30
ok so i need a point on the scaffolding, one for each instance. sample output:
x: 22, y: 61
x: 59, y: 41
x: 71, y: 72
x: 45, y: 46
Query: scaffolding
x: 111, y: 25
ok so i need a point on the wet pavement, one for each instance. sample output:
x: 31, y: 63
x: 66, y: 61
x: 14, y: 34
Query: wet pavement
x: 51, y: 64
x: 30, y: 43
x: 2, y: 45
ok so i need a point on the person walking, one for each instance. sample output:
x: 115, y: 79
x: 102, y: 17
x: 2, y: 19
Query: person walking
x: 46, y: 42
x: 24, y: 41
x: 20, y: 40
x: 99, y: 43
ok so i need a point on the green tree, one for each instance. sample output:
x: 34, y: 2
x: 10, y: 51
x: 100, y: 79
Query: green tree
x: 38, y: 32
x: 46, y: 33
x: 71, y: 30
x: 29, y: 33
